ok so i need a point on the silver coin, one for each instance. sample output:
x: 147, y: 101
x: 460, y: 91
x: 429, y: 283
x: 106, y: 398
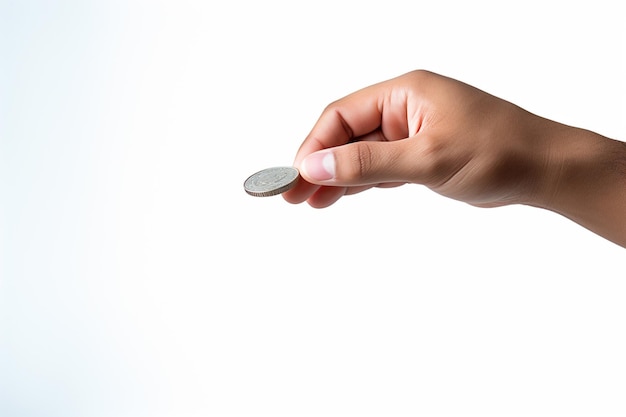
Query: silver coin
x: 271, y: 181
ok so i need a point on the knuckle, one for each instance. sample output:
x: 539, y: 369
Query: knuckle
x: 360, y: 163
x: 364, y: 155
x: 420, y: 75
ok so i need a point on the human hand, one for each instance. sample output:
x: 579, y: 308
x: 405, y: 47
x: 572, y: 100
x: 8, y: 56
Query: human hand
x: 463, y: 143
x: 427, y: 129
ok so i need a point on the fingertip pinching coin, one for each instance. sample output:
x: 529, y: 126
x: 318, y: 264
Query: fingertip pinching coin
x: 271, y: 181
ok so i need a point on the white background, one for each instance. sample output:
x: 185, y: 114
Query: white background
x: 139, y: 279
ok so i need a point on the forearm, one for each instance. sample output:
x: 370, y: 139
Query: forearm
x: 585, y: 180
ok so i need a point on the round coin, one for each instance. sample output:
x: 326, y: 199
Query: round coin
x: 271, y: 181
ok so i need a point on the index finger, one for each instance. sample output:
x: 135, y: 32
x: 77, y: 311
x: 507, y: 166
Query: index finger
x: 355, y: 115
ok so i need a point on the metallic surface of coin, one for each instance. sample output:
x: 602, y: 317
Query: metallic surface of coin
x: 271, y: 181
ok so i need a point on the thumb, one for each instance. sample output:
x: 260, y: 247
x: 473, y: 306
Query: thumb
x: 364, y: 163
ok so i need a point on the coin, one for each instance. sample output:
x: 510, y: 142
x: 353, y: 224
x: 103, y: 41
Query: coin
x: 271, y: 181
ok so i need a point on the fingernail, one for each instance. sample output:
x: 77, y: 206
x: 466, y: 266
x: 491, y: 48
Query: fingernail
x: 319, y: 166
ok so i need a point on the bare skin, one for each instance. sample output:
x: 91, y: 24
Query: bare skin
x: 465, y: 144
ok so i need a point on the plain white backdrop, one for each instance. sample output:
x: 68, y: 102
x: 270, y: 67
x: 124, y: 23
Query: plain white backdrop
x: 139, y: 279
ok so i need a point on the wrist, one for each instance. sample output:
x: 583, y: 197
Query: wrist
x: 583, y: 177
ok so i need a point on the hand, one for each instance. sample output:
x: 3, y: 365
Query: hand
x: 426, y: 129
x: 463, y: 143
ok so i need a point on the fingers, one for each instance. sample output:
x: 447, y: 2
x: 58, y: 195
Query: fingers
x: 322, y: 196
x: 326, y: 196
x: 366, y: 163
x: 332, y: 173
x: 300, y: 193
x: 344, y: 147
x: 375, y: 112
